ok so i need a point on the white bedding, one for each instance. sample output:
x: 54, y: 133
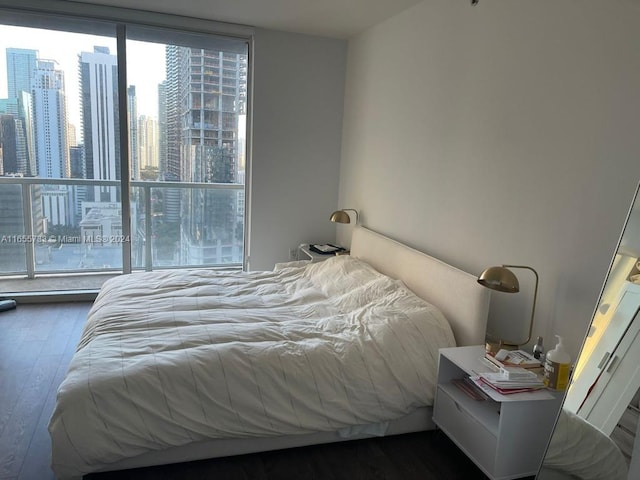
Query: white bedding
x: 578, y: 450
x: 169, y: 358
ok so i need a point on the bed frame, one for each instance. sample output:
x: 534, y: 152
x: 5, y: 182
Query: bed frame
x: 457, y: 294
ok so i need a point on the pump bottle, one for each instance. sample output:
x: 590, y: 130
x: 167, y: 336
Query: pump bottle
x: 557, y: 367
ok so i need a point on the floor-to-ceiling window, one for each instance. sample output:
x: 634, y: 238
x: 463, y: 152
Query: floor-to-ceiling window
x: 190, y: 133
x: 122, y: 146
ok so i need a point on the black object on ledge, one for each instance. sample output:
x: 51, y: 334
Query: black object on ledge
x: 7, y: 305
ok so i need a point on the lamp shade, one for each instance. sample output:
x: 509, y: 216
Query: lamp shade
x: 340, y: 216
x: 499, y: 278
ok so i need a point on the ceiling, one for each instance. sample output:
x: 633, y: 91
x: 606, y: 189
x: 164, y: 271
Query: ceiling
x: 327, y: 18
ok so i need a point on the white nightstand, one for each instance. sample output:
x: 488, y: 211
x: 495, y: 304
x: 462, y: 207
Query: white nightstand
x: 505, y: 435
x: 304, y: 253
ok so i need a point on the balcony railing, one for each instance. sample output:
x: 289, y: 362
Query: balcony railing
x: 73, y: 226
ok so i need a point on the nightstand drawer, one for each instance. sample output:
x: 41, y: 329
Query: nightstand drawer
x: 469, y: 434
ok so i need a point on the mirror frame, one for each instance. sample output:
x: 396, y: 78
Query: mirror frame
x: 635, y: 198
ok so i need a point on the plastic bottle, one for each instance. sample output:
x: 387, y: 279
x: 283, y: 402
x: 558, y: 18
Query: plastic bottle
x: 557, y: 366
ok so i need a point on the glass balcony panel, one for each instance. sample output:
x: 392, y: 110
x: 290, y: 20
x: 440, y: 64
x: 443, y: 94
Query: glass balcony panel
x: 188, y: 226
x: 13, y: 240
x: 173, y: 226
x: 137, y: 235
x: 81, y: 234
x: 211, y: 230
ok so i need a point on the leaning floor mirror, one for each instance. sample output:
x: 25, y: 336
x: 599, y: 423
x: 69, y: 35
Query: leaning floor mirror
x: 597, y: 434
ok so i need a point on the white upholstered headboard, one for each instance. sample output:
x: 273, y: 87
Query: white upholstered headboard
x: 457, y: 294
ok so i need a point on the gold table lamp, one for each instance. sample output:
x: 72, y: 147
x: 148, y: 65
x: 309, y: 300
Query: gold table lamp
x: 502, y: 279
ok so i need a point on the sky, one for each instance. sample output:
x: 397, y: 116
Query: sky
x: 145, y: 63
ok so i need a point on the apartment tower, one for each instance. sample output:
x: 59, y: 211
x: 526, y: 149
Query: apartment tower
x: 205, y: 94
x: 100, y: 131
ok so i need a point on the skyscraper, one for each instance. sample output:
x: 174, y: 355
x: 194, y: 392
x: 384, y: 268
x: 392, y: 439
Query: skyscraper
x: 25, y: 140
x: 173, y: 54
x: 8, y: 158
x: 76, y: 161
x: 21, y: 65
x: 99, y: 107
x: 147, y: 142
x: 205, y: 94
x: 133, y: 132
x: 50, y: 120
x: 162, y: 129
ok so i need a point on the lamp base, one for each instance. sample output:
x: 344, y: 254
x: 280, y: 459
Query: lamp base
x: 493, y: 347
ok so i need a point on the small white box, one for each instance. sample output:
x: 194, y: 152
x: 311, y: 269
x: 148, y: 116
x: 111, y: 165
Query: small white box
x: 517, y: 373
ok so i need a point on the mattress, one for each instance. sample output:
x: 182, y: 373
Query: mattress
x: 172, y: 358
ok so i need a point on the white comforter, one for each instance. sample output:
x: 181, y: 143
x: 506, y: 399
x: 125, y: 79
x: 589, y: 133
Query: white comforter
x: 168, y: 358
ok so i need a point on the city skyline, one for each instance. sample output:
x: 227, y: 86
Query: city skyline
x: 145, y: 64
x: 197, y: 135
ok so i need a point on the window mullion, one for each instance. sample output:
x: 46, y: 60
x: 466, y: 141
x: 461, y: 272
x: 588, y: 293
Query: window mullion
x: 125, y: 191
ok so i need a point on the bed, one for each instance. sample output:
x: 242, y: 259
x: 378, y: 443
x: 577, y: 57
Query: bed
x: 184, y: 365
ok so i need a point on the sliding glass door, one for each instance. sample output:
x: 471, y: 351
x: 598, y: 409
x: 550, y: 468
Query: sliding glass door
x: 121, y: 147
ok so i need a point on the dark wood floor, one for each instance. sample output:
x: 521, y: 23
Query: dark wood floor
x: 36, y: 345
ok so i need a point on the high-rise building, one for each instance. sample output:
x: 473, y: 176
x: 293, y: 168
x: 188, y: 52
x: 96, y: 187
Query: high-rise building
x: 8, y: 157
x: 148, y: 142
x: 211, y: 95
x: 50, y: 120
x: 50, y: 139
x: 57, y: 206
x: 173, y: 55
x: 205, y: 94
x: 133, y: 132
x: 162, y: 129
x: 100, y: 131
x: 72, y: 137
x: 76, y: 161
x: 21, y: 66
x: 25, y: 139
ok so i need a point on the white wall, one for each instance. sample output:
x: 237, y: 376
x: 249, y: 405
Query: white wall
x: 508, y: 132
x: 297, y: 128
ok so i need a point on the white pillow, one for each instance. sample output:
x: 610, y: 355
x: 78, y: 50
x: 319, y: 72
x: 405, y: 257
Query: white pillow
x: 341, y: 274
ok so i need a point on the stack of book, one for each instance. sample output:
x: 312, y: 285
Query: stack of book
x: 512, y: 380
x: 514, y: 371
x: 468, y: 386
x: 514, y: 358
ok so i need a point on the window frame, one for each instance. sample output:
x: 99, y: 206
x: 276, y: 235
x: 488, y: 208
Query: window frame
x: 76, y: 17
